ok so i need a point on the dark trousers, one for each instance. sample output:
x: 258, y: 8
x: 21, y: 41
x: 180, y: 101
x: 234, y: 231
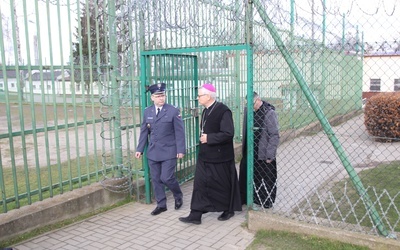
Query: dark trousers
x: 163, y: 174
x: 264, y: 176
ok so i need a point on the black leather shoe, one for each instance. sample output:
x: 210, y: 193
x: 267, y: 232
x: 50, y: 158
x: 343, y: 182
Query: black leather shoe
x: 178, y: 203
x: 226, y: 216
x: 190, y: 220
x: 158, y: 210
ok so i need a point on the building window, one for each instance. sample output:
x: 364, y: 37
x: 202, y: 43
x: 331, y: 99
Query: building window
x: 375, y: 85
x: 397, y: 84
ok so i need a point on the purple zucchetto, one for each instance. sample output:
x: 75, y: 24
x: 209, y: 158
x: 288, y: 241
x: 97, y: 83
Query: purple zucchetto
x: 209, y: 87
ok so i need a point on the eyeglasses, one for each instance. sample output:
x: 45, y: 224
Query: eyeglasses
x: 198, y: 96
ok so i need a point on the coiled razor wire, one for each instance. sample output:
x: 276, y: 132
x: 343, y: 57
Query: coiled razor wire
x: 117, y: 184
x: 108, y: 113
x: 116, y: 178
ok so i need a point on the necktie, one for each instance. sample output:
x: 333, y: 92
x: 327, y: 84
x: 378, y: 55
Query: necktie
x: 158, y: 111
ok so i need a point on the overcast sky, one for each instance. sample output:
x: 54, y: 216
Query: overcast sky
x: 40, y: 22
x: 377, y: 19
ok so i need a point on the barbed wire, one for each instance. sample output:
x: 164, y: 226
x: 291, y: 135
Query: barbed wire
x: 331, y: 7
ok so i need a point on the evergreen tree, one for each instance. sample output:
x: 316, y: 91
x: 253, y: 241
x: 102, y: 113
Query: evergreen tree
x: 90, y: 50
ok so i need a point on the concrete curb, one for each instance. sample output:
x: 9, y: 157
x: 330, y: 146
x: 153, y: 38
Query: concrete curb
x: 51, y: 210
x: 260, y: 220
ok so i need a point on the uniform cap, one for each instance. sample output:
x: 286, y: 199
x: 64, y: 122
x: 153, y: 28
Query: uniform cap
x: 157, y: 88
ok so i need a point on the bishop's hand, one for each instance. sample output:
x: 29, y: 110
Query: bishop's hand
x: 203, y: 138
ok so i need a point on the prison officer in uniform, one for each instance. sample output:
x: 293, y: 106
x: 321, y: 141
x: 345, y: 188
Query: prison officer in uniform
x: 163, y: 130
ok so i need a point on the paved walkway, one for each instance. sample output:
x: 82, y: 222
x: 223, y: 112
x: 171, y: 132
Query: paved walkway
x: 132, y: 227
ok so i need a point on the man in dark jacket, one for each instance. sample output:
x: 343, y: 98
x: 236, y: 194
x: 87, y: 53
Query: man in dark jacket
x: 266, y: 140
x: 163, y: 130
x: 216, y: 186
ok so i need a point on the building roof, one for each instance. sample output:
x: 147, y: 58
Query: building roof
x: 383, y: 54
x: 47, y: 75
x: 8, y: 73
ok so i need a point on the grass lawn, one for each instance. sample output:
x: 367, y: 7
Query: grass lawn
x: 279, y: 240
x: 345, y: 205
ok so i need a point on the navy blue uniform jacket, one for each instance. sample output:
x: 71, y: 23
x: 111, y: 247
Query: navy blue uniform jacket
x: 164, y: 134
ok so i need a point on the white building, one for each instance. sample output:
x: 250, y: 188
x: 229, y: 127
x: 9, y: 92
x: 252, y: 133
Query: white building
x: 47, y: 83
x: 381, y: 73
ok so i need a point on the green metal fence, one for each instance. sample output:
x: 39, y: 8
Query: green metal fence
x: 72, y: 90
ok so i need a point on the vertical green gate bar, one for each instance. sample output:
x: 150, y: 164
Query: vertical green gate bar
x: 53, y: 95
x: 250, y: 127
x: 250, y: 104
x: 26, y: 170
x: 143, y: 102
x: 115, y: 84
x: 63, y: 79
x: 322, y: 118
x: 18, y: 77
x: 3, y: 68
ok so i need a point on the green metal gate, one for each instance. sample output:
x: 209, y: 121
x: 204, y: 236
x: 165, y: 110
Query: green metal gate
x: 180, y: 73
